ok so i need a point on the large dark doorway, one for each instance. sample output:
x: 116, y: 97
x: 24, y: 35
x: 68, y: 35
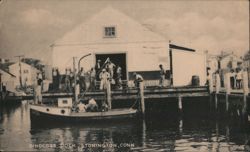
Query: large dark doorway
x: 117, y: 59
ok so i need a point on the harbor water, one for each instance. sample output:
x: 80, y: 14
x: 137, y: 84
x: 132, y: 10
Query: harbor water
x: 163, y: 129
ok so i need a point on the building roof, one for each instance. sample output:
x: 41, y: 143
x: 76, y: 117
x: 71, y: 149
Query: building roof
x: 7, y: 72
x: 25, y: 64
x: 134, y: 32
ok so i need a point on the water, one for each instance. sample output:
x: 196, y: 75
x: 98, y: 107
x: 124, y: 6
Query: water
x: 161, y: 131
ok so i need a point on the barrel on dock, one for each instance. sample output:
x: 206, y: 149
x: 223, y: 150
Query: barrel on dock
x: 195, y: 80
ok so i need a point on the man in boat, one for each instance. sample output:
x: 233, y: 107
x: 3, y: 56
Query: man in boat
x: 104, y: 77
x: 81, y: 107
x: 92, y: 105
x: 138, y: 79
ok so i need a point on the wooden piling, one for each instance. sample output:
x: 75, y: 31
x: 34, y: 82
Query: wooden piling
x: 211, y: 88
x: 141, y: 85
x: 228, y: 89
x: 180, y: 103
x: 210, y: 83
x: 245, y: 90
x: 217, y: 89
x: 109, y: 96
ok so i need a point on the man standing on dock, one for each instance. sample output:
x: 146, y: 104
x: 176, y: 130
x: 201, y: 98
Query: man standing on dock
x: 239, y: 79
x: 92, y: 79
x: 110, y: 67
x: 98, y: 68
x: 119, y: 77
x: 38, y: 88
x: 162, y: 75
x: 138, y: 79
x: 67, y: 80
x: 81, y: 75
x: 104, y: 77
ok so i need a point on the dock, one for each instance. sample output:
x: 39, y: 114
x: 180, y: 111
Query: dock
x: 149, y: 93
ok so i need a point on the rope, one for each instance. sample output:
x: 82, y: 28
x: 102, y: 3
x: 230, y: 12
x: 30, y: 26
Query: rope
x: 135, y: 101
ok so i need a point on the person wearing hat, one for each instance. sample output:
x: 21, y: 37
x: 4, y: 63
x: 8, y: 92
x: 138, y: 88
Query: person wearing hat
x: 104, y: 77
x: 138, y: 79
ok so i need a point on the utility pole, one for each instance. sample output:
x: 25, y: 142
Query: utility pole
x: 171, y: 63
x: 20, y: 69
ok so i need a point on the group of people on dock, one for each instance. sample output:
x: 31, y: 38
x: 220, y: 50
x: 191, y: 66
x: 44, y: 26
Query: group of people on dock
x: 236, y: 78
x: 97, y: 78
x: 87, y: 80
x: 232, y: 78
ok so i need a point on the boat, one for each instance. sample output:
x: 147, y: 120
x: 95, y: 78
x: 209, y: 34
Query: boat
x: 63, y: 112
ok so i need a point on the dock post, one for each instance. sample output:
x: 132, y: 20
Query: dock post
x: 245, y: 90
x: 141, y: 85
x: 210, y: 83
x: 228, y: 89
x: 180, y: 103
x: 217, y: 89
x: 109, y: 96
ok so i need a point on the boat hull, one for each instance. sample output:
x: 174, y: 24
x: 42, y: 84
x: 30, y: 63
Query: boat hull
x: 37, y: 114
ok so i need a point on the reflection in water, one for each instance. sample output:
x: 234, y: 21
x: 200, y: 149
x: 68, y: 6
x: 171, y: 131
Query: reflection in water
x: 155, y: 133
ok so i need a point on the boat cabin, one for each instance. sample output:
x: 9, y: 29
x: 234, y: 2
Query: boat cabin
x: 65, y: 102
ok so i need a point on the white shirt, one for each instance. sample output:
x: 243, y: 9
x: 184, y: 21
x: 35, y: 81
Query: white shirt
x: 104, y: 75
x: 111, y: 66
x: 239, y: 75
x: 82, y: 107
x: 138, y: 77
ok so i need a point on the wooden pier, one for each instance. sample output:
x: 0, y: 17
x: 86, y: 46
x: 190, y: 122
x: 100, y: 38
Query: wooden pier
x: 149, y: 93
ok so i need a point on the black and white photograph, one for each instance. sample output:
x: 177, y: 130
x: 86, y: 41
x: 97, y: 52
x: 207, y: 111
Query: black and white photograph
x: 125, y: 75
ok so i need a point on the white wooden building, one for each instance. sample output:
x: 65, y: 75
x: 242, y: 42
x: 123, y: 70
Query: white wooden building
x: 7, y: 80
x: 28, y: 73
x: 230, y: 61
x: 113, y: 34
x: 212, y: 63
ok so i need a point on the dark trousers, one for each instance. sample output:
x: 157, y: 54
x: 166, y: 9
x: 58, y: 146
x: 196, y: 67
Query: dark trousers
x: 232, y: 82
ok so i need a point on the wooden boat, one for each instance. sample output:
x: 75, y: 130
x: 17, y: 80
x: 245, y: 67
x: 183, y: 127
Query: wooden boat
x: 64, y: 113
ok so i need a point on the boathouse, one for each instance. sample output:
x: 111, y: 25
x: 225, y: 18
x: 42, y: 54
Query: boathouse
x: 112, y: 34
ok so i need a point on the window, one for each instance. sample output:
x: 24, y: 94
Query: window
x: 25, y: 71
x: 65, y: 101
x: 109, y: 31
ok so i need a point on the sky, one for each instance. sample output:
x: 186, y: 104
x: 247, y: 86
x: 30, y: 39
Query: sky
x: 30, y: 27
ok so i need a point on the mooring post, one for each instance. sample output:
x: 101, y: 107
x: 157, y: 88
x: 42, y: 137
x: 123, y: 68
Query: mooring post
x: 180, y: 103
x: 109, y: 96
x: 210, y: 88
x: 141, y: 86
x: 228, y: 89
x: 217, y: 89
x: 245, y: 90
x: 210, y: 83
